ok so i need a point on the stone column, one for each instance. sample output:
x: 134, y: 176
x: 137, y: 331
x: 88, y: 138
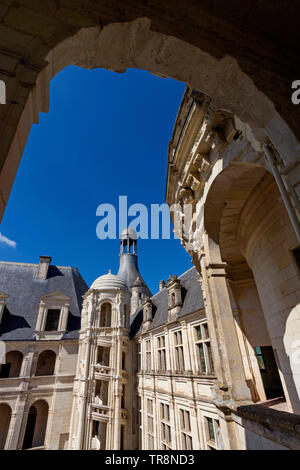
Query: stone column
x: 252, y: 373
x: 231, y: 388
x: 117, y: 413
x: 173, y: 424
x: 153, y: 352
x: 168, y: 351
x: 117, y: 392
x: 83, y: 384
x: 27, y: 364
x: 228, y: 361
x: 194, y: 428
x: 17, y: 418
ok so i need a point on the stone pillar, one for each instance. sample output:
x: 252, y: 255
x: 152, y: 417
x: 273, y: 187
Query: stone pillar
x: 26, y: 370
x: 83, y: 384
x: 252, y: 373
x: 173, y: 424
x: 231, y: 388
x: 194, y: 428
x: 17, y: 418
x: 117, y: 413
x: 228, y: 361
x: 168, y: 350
x: 117, y: 392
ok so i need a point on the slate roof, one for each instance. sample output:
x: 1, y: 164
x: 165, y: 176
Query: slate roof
x: 24, y: 290
x: 192, y: 301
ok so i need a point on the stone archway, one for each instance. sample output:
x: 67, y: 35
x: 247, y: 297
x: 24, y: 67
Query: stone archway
x: 105, y: 315
x: 46, y: 363
x: 188, y: 48
x: 246, y: 218
x: 36, y: 425
x: 14, y: 360
x: 5, y: 417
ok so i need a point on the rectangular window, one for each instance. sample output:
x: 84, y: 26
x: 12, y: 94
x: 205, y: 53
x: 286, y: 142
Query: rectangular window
x: 212, y: 432
x: 52, y: 320
x: 150, y: 424
x: 148, y: 355
x: 161, y: 351
x: 203, y: 349
x: 179, y: 354
x: 139, y: 357
x: 165, y: 427
x: 185, y: 430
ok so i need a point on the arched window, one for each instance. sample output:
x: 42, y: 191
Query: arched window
x: 36, y: 425
x: 46, y: 363
x: 5, y: 416
x: 12, y: 367
x: 105, y: 315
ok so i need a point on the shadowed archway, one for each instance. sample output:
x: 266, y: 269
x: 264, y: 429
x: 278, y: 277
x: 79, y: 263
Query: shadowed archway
x: 5, y: 417
x: 246, y: 218
x: 36, y: 425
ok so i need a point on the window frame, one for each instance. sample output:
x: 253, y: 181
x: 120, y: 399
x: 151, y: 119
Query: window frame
x: 53, y: 301
x: 178, y: 349
x: 165, y: 423
x: 150, y: 419
x: 211, y: 444
x: 161, y: 353
x: 205, y: 342
x: 185, y: 432
x: 148, y: 355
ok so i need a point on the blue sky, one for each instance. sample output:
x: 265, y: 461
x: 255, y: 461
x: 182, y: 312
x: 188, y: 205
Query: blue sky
x: 106, y: 135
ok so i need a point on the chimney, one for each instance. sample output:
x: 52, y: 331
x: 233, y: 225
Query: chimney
x: 162, y: 285
x: 43, y: 267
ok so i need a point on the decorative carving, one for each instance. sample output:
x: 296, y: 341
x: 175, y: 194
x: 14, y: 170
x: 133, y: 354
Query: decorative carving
x: 186, y: 195
x: 203, y: 163
x: 215, y: 139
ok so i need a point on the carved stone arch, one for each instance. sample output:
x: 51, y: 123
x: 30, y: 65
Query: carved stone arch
x: 36, y: 425
x: 245, y: 217
x: 46, y: 363
x: 105, y: 313
x: 136, y: 41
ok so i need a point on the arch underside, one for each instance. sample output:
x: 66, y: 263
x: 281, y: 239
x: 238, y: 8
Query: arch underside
x: 224, y: 205
x: 199, y: 48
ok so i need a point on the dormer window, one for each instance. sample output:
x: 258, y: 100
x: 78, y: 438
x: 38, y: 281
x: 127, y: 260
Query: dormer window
x: 52, y: 321
x: 174, y: 298
x: 3, y: 298
x: 52, y: 316
x: 147, y: 313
